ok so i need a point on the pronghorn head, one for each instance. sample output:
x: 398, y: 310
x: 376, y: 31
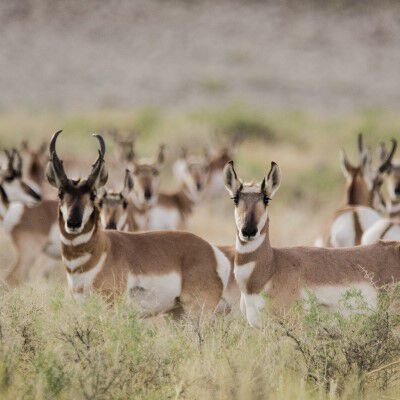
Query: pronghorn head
x: 76, y: 197
x: 393, y: 173
x: 251, y: 200
x: 16, y: 188
x: 36, y: 159
x: 359, y: 177
x: 125, y: 145
x: 114, y: 205
x: 193, y: 172
x: 146, y: 179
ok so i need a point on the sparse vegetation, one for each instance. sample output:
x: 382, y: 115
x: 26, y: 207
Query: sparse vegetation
x: 52, y: 348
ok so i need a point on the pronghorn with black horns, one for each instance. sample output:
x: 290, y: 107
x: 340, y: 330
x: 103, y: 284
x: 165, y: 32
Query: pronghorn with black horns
x: 291, y: 273
x: 364, y: 201
x: 172, y: 209
x: 157, y: 269
x: 388, y: 227
x: 27, y: 218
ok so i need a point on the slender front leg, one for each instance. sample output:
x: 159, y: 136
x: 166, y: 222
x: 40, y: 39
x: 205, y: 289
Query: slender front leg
x: 243, y: 304
x: 254, y: 303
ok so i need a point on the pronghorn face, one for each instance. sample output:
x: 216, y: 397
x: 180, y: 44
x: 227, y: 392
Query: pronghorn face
x: 193, y: 172
x: 114, y: 206
x: 16, y: 188
x: 76, y: 197
x: 35, y: 160
x: 146, y: 179
x: 251, y: 200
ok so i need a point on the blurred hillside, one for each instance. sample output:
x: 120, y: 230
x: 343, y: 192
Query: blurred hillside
x: 320, y: 56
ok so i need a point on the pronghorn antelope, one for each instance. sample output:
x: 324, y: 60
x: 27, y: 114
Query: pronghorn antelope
x: 364, y: 201
x: 125, y: 152
x: 146, y: 184
x: 172, y: 209
x: 217, y: 161
x: 35, y: 162
x: 288, y: 274
x: 116, y: 208
x: 157, y: 269
x: 29, y: 220
x: 388, y: 228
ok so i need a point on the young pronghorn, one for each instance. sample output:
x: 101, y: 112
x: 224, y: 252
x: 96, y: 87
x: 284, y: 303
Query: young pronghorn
x: 364, y: 201
x: 29, y: 220
x: 116, y: 208
x: 158, y: 269
x: 173, y: 209
x: 388, y: 228
x: 288, y: 274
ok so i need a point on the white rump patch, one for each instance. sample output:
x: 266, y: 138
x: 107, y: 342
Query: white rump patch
x: 343, y: 230
x: 223, y: 266
x: 77, y: 262
x: 13, y: 216
x: 164, y: 218
x: 154, y: 293
x: 85, y: 280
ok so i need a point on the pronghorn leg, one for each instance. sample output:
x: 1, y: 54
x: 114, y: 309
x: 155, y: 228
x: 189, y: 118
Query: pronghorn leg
x: 254, y: 303
x: 27, y: 253
x: 202, y: 303
x: 243, y: 304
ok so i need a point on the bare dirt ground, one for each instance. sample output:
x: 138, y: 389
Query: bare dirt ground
x: 180, y: 54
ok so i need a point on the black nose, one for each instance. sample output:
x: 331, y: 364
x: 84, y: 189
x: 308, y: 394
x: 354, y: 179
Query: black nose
x: 111, y: 225
x: 249, y: 231
x: 397, y: 190
x: 147, y: 194
x: 73, y: 223
x: 199, y: 186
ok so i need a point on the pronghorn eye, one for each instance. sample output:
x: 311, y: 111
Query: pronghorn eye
x: 101, y: 203
x: 93, y: 195
x: 266, y: 199
x: 60, y: 194
x: 235, y: 199
x: 156, y: 173
x: 9, y: 178
x: 125, y: 204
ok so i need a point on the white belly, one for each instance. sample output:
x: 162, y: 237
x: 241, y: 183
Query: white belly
x: 344, y: 297
x: 164, y: 218
x: 154, y: 293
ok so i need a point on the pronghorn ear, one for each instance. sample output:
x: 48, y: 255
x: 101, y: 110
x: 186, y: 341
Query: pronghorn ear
x: 52, y: 176
x: 161, y: 154
x: 128, y: 183
x: 271, y: 183
x: 347, y: 168
x: 231, y: 180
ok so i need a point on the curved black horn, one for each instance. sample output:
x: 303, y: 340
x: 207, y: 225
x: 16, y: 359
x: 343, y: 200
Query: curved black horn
x: 387, y: 163
x: 18, y: 165
x: 102, y: 144
x: 97, y: 166
x: 57, y: 163
x: 360, y: 141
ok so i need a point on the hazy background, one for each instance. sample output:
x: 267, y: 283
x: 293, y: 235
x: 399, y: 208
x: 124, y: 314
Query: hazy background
x: 319, y: 56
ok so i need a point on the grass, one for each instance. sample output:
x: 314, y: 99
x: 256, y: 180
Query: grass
x: 51, y: 348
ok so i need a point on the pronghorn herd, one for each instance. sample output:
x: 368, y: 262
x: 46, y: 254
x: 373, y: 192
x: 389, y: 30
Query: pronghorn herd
x: 131, y: 241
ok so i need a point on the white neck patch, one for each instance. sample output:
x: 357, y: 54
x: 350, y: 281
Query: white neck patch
x: 77, y: 262
x: 249, y: 247
x: 13, y: 216
x: 81, y: 239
